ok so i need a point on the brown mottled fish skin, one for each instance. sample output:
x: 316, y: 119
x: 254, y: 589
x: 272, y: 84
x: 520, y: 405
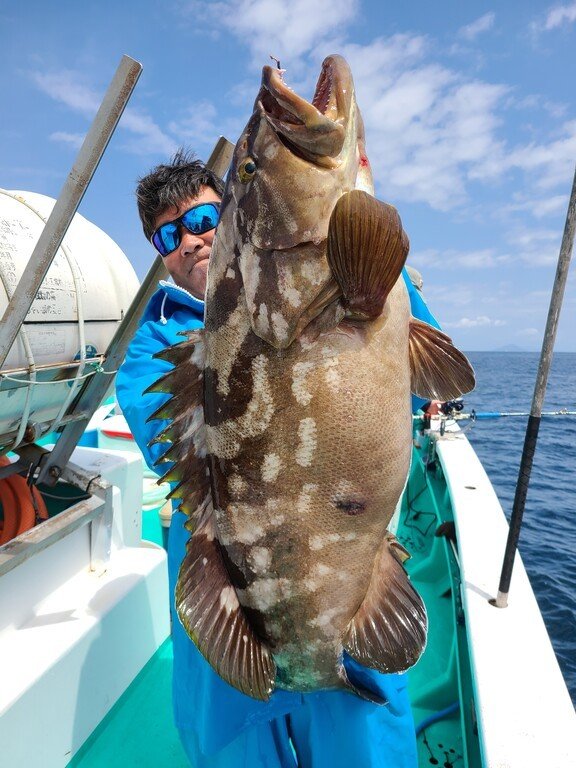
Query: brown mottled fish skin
x: 305, y: 476
x: 307, y: 377
x: 306, y: 480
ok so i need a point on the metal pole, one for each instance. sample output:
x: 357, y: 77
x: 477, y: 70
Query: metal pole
x: 68, y: 201
x: 94, y: 389
x: 536, y: 410
x: 220, y: 157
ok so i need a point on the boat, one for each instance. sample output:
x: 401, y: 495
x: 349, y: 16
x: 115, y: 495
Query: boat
x: 84, y: 606
x: 90, y: 652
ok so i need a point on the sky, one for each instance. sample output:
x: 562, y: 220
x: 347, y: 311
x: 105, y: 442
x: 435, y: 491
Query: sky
x: 469, y: 109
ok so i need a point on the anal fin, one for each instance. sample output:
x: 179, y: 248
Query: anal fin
x: 367, y: 248
x: 388, y: 632
x: 209, y: 610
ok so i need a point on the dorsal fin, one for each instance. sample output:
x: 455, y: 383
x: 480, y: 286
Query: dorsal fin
x: 439, y: 371
x: 185, y: 435
x: 367, y: 248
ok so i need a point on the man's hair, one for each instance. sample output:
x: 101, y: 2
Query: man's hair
x: 167, y: 186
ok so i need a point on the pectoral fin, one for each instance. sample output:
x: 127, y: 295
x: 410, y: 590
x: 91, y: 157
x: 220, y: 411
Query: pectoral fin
x: 439, y: 371
x: 367, y: 248
x: 209, y: 610
x: 388, y: 632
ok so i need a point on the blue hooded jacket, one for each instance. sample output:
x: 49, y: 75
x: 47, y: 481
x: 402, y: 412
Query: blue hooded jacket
x: 203, y: 702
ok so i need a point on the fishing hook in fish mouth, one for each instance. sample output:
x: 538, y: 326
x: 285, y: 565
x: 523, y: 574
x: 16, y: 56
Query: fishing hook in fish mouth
x: 276, y: 60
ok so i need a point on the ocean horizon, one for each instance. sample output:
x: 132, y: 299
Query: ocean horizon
x: 505, y: 383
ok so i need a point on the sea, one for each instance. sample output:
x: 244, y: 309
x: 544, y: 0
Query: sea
x: 505, y: 383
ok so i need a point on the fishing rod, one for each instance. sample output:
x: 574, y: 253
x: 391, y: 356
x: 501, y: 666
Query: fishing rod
x: 534, y: 418
x: 480, y: 415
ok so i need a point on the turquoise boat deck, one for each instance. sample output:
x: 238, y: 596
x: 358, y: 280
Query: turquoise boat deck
x: 139, y: 731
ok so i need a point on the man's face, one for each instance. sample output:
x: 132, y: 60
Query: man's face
x: 188, y: 263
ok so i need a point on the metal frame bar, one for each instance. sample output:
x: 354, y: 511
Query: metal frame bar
x: 68, y: 201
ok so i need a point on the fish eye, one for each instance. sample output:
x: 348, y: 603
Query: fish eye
x: 246, y: 170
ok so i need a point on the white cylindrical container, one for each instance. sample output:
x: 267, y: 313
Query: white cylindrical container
x: 85, y: 294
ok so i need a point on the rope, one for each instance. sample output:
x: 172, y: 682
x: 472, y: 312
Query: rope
x: 98, y: 369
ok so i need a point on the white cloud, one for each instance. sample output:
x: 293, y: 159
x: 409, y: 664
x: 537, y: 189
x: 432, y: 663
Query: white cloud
x: 439, y: 295
x: 549, y: 164
x: 432, y: 131
x: 481, y: 259
x: 535, y: 247
x: 73, y: 139
x: 288, y: 31
x: 539, y: 207
x: 483, y: 24
x: 475, y: 322
x: 152, y: 138
x: 64, y: 86
x: 560, y: 16
x: 429, y: 130
x: 200, y: 124
x: 537, y: 102
x: 67, y: 88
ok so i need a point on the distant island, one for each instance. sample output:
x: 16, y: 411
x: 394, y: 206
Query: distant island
x: 512, y: 348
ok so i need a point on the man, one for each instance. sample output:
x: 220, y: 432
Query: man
x: 219, y: 726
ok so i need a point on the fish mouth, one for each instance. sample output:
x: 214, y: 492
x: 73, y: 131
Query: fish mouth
x: 314, y: 131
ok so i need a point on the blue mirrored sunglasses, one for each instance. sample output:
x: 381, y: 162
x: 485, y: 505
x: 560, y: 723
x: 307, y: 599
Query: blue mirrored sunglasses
x: 198, y: 219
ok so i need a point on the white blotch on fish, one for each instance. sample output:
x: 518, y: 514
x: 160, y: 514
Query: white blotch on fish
x: 310, y: 272
x: 271, y: 466
x: 307, y: 445
x: 259, y: 558
x: 228, y: 600
x: 317, y: 576
x: 266, y: 593
x: 293, y: 296
x: 321, y: 540
x: 198, y: 356
x: 237, y: 485
x: 305, y: 498
x: 244, y: 527
x: 280, y: 326
x: 325, y: 620
x: 262, y: 321
x: 299, y: 372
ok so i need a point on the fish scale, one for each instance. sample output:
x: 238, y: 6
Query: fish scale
x: 310, y: 354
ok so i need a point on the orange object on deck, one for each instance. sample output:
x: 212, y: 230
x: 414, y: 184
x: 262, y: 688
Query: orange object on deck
x: 21, y: 504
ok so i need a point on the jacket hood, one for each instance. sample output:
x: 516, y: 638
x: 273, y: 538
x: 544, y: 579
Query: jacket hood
x: 167, y: 299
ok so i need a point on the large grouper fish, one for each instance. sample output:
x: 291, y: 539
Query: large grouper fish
x: 291, y: 420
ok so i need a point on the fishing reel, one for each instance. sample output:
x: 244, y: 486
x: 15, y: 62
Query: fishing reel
x: 450, y: 407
